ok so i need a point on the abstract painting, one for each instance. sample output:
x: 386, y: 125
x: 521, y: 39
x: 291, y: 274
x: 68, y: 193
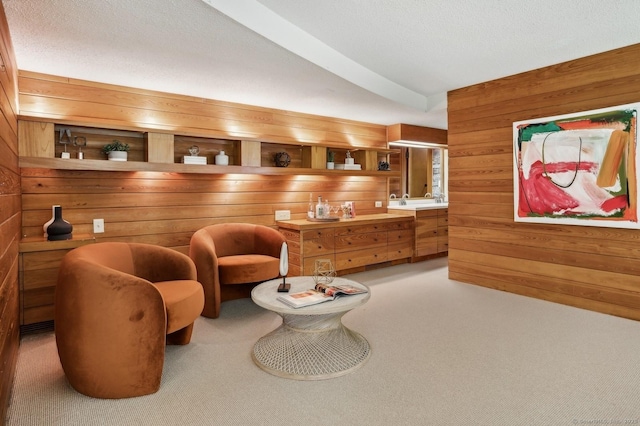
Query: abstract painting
x: 578, y: 169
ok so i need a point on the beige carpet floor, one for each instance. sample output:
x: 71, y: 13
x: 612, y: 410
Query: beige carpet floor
x: 443, y: 353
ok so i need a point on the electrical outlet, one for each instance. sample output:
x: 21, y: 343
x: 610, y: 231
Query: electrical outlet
x: 283, y: 214
x: 98, y: 226
x: 378, y: 203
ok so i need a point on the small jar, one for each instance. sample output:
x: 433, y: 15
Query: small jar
x: 222, y: 159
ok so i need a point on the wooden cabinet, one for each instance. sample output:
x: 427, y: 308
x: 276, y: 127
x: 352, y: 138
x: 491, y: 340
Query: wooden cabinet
x: 431, y: 230
x: 39, y: 261
x: 39, y: 147
x: 352, y: 244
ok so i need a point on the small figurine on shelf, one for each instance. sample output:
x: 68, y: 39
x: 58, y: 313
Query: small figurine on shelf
x: 282, y: 159
x: 193, y: 157
x: 383, y: 166
x: 64, y: 140
x: 80, y: 142
x: 349, y: 159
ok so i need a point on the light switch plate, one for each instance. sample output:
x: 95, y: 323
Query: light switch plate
x: 378, y: 203
x: 283, y: 214
x: 98, y: 226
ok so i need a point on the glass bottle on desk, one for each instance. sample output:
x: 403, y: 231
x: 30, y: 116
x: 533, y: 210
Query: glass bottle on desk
x: 311, y: 210
x: 319, y: 208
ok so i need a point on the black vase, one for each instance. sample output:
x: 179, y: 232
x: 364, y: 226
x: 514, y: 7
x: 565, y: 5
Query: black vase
x: 59, y: 229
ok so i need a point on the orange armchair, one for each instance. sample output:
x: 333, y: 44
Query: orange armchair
x: 231, y: 258
x: 116, y: 306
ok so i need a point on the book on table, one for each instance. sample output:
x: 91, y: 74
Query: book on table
x: 319, y: 294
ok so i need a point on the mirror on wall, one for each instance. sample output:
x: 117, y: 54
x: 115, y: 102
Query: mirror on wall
x: 423, y: 172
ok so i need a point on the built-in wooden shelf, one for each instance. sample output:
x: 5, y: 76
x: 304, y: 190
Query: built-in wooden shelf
x: 143, y: 166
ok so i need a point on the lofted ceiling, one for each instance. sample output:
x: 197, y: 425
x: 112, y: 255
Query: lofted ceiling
x: 376, y: 61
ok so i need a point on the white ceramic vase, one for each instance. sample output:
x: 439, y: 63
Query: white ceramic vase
x: 118, y: 155
x: 50, y: 221
x: 222, y: 159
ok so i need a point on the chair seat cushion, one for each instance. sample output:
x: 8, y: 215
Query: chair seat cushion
x: 183, y: 299
x: 247, y: 268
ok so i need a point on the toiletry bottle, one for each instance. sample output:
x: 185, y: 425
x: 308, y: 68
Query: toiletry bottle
x: 327, y: 209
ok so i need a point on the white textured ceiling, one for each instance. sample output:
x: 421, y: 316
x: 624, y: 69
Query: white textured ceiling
x: 419, y: 47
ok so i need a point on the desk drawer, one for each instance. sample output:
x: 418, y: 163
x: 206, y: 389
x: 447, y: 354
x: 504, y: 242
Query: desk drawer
x: 360, y: 241
x: 354, y: 259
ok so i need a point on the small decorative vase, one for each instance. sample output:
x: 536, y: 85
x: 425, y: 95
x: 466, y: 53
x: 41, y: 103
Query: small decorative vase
x: 59, y: 229
x: 118, y: 156
x: 282, y: 159
x: 330, y: 165
x: 222, y: 159
x: 50, y: 221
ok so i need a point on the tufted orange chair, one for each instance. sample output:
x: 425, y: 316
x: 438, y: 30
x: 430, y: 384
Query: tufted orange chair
x: 231, y: 258
x: 116, y: 306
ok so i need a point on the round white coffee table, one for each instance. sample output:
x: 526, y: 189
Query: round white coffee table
x: 312, y: 343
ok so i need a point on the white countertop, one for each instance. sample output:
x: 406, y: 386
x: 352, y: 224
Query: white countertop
x: 417, y: 206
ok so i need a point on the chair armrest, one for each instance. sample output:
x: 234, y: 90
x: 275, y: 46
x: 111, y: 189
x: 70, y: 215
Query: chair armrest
x: 203, y: 254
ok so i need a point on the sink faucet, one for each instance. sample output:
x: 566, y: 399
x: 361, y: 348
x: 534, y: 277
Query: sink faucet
x: 427, y: 195
x: 405, y: 196
x: 440, y: 198
x: 392, y: 196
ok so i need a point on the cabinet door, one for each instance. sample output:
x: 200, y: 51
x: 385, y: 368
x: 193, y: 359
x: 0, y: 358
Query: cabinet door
x: 427, y: 233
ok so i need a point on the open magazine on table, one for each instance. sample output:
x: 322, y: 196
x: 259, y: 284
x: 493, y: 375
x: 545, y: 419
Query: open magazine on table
x: 321, y: 293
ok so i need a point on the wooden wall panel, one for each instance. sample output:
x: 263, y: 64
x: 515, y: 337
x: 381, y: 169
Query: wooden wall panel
x: 165, y: 208
x: 587, y: 267
x: 62, y: 100
x: 9, y: 217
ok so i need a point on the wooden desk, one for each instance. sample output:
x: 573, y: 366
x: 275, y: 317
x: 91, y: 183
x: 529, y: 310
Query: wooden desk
x: 350, y: 244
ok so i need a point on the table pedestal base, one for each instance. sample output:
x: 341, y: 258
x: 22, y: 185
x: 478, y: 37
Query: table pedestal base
x: 311, y: 347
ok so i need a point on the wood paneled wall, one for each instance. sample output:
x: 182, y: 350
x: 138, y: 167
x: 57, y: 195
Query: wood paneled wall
x: 587, y: 267
x: 166, y: 208
x: 9, y: 216
x: 69, y: 101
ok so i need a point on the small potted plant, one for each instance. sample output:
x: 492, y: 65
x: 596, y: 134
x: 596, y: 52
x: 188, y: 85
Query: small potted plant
x: 330, y: 159
x: 116, y: 150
